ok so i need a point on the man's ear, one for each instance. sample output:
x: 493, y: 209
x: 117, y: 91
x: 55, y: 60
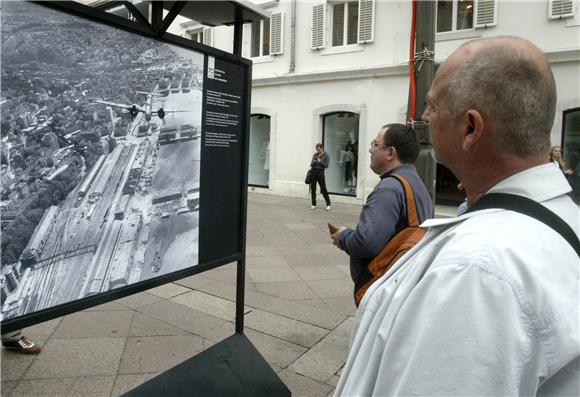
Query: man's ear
x: 474, y: 128
x: 392, y: 153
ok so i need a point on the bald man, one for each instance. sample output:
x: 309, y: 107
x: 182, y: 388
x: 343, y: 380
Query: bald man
x: 487, y: 303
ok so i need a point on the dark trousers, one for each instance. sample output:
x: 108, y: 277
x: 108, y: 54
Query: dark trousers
x: 318, y: 177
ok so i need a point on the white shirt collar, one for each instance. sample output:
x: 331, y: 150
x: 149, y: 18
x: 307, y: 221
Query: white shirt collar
x: 540, y: 183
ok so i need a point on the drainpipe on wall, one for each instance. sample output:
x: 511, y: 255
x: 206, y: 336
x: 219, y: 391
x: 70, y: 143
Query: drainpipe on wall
x: 293, y: 38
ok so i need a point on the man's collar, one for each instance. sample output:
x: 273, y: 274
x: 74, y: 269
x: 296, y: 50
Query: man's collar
x: 397, y: 168
x: 540, y: 183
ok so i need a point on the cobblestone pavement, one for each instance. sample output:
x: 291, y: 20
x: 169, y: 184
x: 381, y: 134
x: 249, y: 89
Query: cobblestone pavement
x: 299, y: 314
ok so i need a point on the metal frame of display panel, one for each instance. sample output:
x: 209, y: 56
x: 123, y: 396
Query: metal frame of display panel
x: 157, y: 32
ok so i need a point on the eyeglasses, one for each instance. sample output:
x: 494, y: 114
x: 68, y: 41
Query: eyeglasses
x: 375, y: 144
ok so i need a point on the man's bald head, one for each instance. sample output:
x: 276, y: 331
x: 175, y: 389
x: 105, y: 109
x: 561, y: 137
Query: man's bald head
x: 509, y: 80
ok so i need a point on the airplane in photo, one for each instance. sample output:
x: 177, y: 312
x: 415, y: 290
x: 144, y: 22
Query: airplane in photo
x: 147, y: 109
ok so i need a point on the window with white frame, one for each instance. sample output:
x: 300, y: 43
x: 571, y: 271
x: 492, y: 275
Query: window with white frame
x: 461, y: 15
x: 344, y: 23
x: 201, y: 35
x: 196, y: 35
x: 454, y: 15
x: 261, y: 38
x: 266, y: 36
x: 340, y: 23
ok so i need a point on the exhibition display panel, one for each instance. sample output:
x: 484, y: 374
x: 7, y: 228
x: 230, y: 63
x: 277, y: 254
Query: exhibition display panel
x: 124, y: 159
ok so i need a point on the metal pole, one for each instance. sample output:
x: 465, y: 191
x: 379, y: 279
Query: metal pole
x: 170, y: 17
x: 293, y: 38
x: 241, y: 265
x: 156, y: 16
x: 240, y: 293
x: 424, y: 72
x: 238, y: 31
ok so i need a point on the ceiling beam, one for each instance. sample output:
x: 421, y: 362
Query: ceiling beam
x: 107, y: 5
x: 136, y: 13
x: 170, y: 17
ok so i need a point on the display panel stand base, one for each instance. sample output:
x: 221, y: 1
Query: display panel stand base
x: 233, y: 367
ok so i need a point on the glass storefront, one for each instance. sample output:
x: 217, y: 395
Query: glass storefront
x: 340, y: 140
x: 446, y: 191
x: 259, y: 161
x: 571, y: 148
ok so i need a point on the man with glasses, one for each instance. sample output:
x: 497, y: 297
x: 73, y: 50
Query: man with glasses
x: 393, y: 151
x: 487, y: 303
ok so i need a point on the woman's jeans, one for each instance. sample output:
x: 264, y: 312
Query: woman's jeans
x: 318, y: 177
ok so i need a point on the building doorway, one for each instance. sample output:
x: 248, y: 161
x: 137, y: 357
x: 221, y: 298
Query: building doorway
x: 571, y: 148
x: 259, y: 157
x: 341, y: 141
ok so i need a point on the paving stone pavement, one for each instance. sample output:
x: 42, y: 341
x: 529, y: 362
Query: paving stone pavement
x: 298, y: 313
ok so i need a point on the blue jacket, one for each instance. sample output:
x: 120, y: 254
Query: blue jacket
x: 383, y: 216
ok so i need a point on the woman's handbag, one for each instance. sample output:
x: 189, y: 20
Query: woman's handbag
x: 308, y: 177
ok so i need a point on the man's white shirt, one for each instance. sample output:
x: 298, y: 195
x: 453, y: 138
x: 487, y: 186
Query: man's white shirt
x: 486, y: 304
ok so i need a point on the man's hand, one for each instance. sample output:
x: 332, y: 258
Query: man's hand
x: 336, y: 237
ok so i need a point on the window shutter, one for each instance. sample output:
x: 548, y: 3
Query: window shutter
x: 560, y: 9
x: 277, y: 33
x: 485, y: 13
x: 317, y: 33
x: 366, y: 21
x: 208, y: 36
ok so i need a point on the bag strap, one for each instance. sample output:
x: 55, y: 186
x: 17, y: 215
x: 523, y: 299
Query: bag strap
x: 412, y: 216
x: 526, y: 206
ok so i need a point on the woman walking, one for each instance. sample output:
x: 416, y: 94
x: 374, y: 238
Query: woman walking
x: 317, y: 166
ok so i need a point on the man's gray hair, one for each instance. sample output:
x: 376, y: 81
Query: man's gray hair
x: 517, y: 94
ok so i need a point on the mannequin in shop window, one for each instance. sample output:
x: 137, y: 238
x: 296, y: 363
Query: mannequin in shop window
x: 354, y: 148
x: 267, y: 156
x: 349, y: 158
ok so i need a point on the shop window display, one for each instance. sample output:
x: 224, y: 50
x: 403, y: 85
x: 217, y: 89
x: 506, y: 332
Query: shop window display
x: 571, y: 149
x: 340, y: 138
x: 259, y: 161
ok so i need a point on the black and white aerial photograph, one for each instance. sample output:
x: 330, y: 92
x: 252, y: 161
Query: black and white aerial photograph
x: 100, y: 158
